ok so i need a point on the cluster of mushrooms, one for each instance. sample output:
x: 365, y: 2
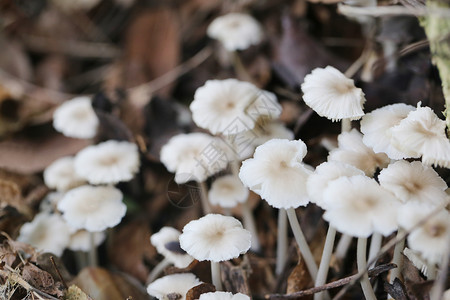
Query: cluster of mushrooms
x: 243, y: 142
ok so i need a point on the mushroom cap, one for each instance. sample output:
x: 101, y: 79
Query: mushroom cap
x: 223, y: 296
x: 61, y: 175
x: 215, y: 238
x: 324, y: 174
x: 414, y: 182
x: 165, y: 236
x: 422, y: 133
x: 432, y: 238
x: 332, y: 95
x: 353, y: 151
x: 277, y: 174
x: 172, y: 284
x: 194, y: 156
x: 236, y: 31
x: 47, y: 232
x: 76, y: 118
x: 376, y: 127
x: 109, y: 162
x: 93, y: 208
x: 359, y: 206
x: 230, y: 106
x: 227, y: 191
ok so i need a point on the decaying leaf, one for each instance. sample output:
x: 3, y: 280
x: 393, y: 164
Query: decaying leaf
x: 27, y: 156
x: 299, y: 279
x: 235, y: 278
x: 101, y: 284
x: 129, y: 247
x: 195, y: 292
x: 41, y: 280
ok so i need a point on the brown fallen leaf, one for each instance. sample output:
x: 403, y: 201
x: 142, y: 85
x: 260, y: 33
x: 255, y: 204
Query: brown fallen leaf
x: 235, y: 278
x: 26, y: 155
x: 101, y: 284
x: 41, y: 280
x: 196, y: 291
x: 10, y: 195
x: 299, y: 278
x: 152, y: 47
x: 129, y: 246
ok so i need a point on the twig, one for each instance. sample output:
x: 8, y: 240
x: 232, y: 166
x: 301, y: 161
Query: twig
x: 144, y: 91
x: 70, y: 47
x: 372, y: 273
x: 390, y: 10
x: 58, y: 273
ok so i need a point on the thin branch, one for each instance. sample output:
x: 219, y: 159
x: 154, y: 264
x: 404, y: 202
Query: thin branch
x: 372, y: 273
x: 391, y: 10
x: 144, y: 91
x: 70, y: 47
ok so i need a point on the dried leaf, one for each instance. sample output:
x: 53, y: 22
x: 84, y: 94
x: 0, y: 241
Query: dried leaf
x: 41, y: 280
x: 27, y: 156
x: 152, y: 47
x: 100, y: 284
x: 129, y: 247
x: 196, y: 291
x: 235, y: 278
x: 297, y: 53
x: 396, y: 290
x: 299, y: 278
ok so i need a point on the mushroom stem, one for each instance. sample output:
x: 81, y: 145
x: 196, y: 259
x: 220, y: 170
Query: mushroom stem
x: 302, y: 244
x: 282, y: 242
x: 158, y: 270
x: 362, y: 267
x: 346, y: 125
x: 215, y: 275
x: 398, y: 257
x: 204, y: 198
x: 93, y: 262
x: 325, y: 261
x: 249, y: 224
x: 81, y: 259
x: 375, y: 246
x: 342, y: 247
x: 439, y: 284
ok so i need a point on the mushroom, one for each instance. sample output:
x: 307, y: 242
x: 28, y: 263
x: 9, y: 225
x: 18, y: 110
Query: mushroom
x: 175, y: 285
x: 61, y: 175
x: 94, y: 209
x: 236, y: 31
x: 332, y: 95
x: 76, y: 118
x: 359, y: 206
x: 109, y: 162
x: 166, y: 242
x: 277, y: 174
x: 422, y: 133
x: 227, y: 192
x: 376, y: 127
x: 353, y: 151
x: 316, y: 185
x: 195, y: 157
x: 230, y: 106
x: 215, y: 238
x: 47, y: 232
